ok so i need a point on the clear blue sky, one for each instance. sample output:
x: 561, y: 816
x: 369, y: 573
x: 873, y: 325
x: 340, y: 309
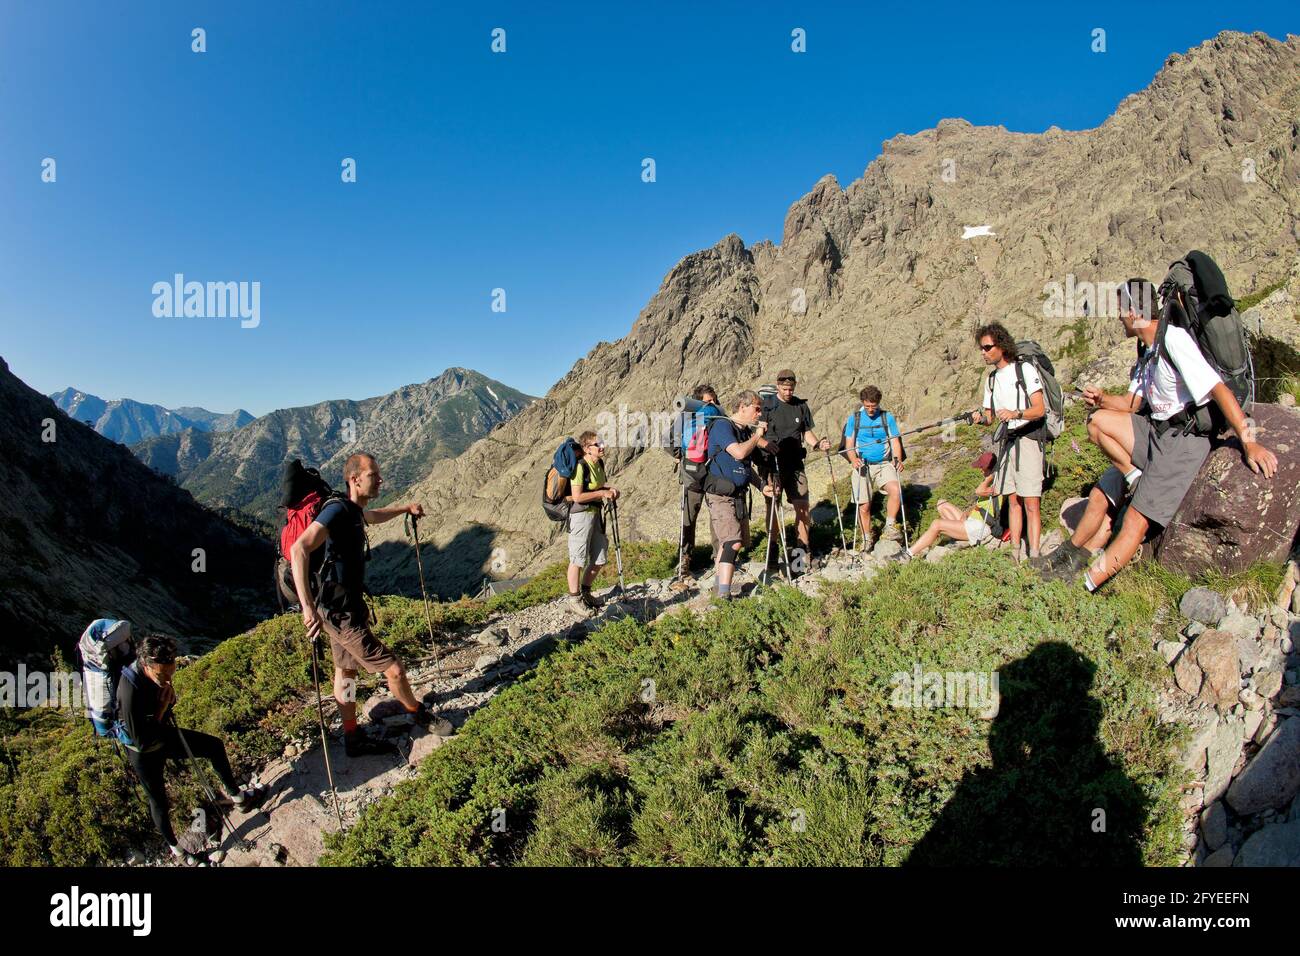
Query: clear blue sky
x: 475, y: 171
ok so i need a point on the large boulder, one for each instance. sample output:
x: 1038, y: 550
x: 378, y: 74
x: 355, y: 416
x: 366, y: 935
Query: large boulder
x: 1272, y: 779
x: 1232, y: 517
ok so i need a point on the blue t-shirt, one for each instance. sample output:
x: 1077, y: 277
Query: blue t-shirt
x: 872, y: 446
x: 721, y: 434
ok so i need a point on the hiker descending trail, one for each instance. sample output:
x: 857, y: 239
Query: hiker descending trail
x: 130, y: 698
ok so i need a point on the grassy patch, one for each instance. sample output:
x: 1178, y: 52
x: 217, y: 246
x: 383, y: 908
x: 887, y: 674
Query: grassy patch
x: 765, y: 734
x: 1255, y: 298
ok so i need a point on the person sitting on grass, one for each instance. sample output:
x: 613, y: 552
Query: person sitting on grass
x: 974, y: 525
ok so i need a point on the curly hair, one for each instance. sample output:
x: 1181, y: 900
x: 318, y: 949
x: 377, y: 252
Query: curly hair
x: 870, y: 394
x: 1001, y: 338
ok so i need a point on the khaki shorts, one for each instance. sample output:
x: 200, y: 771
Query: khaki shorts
x: 727, y: 526
x: 976, y: 529
x: 1169, y: 463
x: 1026, y: 479
x: 587, y: 541
x: 353, y: 645
x: 881, y: 474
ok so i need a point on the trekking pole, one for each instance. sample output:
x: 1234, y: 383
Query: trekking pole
x: 681, y: 535
x: 839, y: 511
x: 954, y: 420
x: 785, y: 551
x: 203, y: 781
x: 324, y: 738
x: 902, y: 507
x: 411, y: 524
x: 612, y: 506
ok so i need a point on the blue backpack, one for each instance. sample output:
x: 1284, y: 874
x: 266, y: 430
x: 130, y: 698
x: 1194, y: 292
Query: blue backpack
x: 106, y: 648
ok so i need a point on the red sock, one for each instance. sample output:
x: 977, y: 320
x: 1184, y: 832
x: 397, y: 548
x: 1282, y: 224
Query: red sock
x: 350, y: 726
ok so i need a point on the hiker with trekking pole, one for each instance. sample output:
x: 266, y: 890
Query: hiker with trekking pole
x: 789, y: 424
x: 688, y: 444
x: 872, y: 444
x: 588, y: 542
x: 730, y: 474
x: 340, y: 610
x: 146, y: 728
x: 1016, y: 399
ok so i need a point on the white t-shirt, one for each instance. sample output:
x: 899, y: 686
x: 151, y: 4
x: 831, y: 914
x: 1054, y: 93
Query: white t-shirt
x: 1178, y: 375
x: 1006, y: 394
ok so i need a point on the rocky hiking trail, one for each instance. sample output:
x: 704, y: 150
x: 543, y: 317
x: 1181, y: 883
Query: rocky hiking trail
x: 1232, y: 681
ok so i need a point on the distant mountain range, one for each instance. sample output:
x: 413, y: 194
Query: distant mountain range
x: 406, y: 430
x: 87, y: 531
x: 127, y: 421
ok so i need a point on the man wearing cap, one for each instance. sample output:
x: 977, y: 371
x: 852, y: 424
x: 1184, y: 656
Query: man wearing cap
x: 789, y: 428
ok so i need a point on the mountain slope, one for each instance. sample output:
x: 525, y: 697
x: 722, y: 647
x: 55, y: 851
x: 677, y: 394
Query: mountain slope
x: 87, y: 530
x: 407, y: 430
x: 128, y: 421
x: 874, y: 284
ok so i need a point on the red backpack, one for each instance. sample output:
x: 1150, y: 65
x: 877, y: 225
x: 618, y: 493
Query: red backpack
x: 303, y: 493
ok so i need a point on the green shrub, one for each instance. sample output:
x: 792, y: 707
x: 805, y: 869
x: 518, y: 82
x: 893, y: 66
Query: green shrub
x: 764, y: 734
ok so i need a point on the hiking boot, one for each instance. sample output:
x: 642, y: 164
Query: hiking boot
x: 903, y: 557
x: 892, y: 532
x: 1065, y: 562
x: 251, y: 798
x: 591, y: 600
x: 575, y: 604
x: 361, y: 744
x: 426, y: 718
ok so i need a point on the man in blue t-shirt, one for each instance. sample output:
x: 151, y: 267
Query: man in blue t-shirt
x: 875, y: 451
x: 731, y: 442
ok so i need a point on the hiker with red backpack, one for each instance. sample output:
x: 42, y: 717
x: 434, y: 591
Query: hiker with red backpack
x: 1192, y: 375
x: 1015, y: 400
x: 337, y: 604
x: 688, y: 441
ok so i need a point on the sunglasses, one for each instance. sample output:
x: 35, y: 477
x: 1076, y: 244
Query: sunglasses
x: 786, y: 381
x: 987, y: 348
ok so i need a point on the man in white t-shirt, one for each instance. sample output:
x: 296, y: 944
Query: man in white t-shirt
x: 1148, y: 434
x: 1013, y: 395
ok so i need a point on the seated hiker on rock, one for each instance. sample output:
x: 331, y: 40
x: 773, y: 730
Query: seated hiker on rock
x: 732, y: 441
x: 148, y: 732
x: 1151, y: 437
x: 875, y: 454
x: 1014, y: 399
x: 973, y: 525
x: 341, y: 529
x: 587, y: 539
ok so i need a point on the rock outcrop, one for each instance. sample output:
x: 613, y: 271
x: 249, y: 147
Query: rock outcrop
x: 1231, y: 517
x: 874, y: 283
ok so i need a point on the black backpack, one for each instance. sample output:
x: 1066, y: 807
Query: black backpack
x: 1195, y: 296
